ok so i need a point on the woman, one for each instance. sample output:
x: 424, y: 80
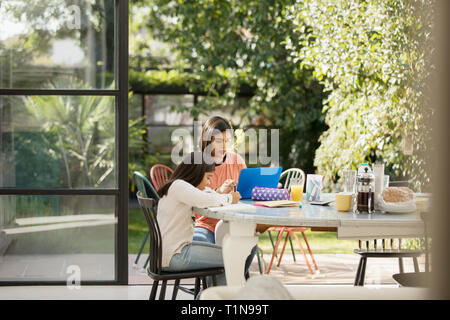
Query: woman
x: 185, y: 189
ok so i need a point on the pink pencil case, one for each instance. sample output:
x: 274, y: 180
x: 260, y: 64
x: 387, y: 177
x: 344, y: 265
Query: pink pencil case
x: 270, y: 194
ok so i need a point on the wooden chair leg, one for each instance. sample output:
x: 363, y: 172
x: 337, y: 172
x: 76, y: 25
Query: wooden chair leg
x: 175, y: 289
x: 310, y: 252
x: 284, y: 247
x: 204, y: 283
x: 162, y: 294
x: 274, y: 253
x: 154, y: 289
x: 303, y: 252
x: 214, y: 280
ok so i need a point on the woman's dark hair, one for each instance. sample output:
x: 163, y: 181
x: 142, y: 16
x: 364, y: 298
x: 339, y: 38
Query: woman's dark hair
x: 191, y: 169
x: 212, y: 126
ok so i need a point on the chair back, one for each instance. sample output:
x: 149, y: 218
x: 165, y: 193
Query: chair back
x: 144, y: 186
x: 159, y: 174
x: 148, y: 206
x: 291, y: 173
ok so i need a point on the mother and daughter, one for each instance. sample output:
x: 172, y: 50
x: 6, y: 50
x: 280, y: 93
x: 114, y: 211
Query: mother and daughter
x: 199, y: 182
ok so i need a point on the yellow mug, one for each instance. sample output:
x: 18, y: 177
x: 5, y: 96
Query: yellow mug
x: 344, y: 201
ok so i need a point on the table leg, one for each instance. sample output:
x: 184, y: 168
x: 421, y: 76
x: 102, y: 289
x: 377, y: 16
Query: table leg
x: 237, y: 245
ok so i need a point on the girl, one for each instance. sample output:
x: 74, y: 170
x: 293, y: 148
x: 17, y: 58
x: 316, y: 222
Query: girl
x: 185, y: 189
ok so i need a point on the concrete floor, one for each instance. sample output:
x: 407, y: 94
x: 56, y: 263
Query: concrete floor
x: 336, y: 271
x: 333, y: 269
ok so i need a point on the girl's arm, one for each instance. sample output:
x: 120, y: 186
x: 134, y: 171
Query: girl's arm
x: 186, y: 193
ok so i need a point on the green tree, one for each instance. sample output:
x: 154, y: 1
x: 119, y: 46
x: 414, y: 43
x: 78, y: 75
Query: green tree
x: 228, y: 44
x: 374, y: 59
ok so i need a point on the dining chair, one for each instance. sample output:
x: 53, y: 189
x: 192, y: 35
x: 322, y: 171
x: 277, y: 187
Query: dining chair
x: 159, y: 174
x: 392, y: 252
x: 418, y: 278
x: 154, y: 269
x: 287, y: 175
x: 147, y: 189
x: 383, y: 252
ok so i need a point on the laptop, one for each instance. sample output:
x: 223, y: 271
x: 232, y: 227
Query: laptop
x: 266, y: 177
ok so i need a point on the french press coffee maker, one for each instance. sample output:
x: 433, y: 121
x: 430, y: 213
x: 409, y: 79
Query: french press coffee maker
x: 365, y: 190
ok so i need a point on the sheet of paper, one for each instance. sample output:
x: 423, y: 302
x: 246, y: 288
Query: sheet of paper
x: 234, y: 207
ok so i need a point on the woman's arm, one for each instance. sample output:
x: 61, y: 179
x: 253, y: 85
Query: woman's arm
x: 186, y: 193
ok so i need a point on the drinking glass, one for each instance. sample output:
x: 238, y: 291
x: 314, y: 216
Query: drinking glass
x: 296, y: 185
x: 349, y: 180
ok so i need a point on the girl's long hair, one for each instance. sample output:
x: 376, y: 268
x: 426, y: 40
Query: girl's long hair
x: 192, y: 169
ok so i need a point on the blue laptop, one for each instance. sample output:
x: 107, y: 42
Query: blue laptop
x: 249, y: 178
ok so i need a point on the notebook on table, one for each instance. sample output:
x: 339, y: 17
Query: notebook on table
x: 277, y: 203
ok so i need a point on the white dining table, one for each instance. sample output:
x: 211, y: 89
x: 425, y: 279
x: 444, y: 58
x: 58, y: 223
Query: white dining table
x: 241, y: 237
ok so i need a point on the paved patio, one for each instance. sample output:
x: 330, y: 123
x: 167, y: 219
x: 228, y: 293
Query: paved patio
x: 334, y: 269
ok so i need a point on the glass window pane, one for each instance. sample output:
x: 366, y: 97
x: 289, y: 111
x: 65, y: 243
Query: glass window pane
x: 53, y: 237
x: 57, y: 44
x: 163, y: 141
x: 57, y: 142
x: 158, y: 109
x: 236, y: 112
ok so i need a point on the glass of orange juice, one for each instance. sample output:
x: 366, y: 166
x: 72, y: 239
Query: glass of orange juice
x: 296, y: 185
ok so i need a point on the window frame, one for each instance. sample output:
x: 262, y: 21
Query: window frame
x: 121, y: 139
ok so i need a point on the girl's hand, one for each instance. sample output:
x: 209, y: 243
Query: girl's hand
x: 236, y: 197
x: 226, y: 187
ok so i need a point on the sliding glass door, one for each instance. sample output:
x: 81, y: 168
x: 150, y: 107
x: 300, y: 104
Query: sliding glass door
x: 63, y: 141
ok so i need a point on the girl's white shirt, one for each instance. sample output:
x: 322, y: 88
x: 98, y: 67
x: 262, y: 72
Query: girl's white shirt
x: 175, y: 215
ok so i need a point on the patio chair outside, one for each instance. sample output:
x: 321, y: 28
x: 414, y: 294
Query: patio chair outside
x: 159, y: 174
x: 144, y: 186
x: 290, y: 231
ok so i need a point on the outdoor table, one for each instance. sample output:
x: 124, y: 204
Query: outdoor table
x: 241, y: 238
